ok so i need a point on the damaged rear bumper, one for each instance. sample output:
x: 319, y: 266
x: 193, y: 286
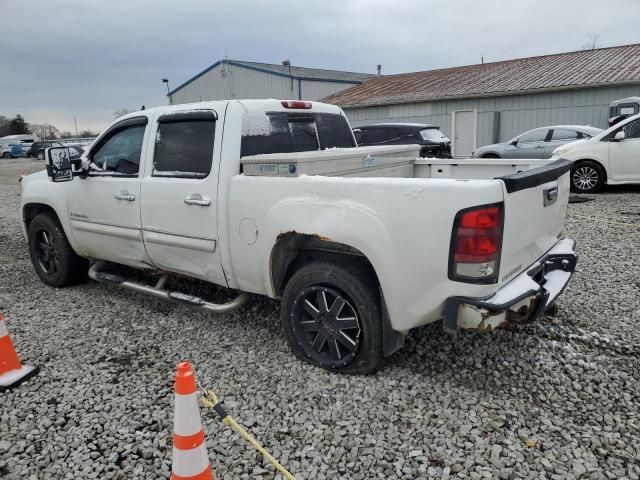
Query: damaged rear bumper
x: 523, y: 299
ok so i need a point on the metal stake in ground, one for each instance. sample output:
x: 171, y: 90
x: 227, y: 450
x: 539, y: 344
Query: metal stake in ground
x: 210, y: 400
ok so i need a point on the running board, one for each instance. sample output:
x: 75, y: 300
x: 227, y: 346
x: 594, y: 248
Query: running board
x: 157, y: 291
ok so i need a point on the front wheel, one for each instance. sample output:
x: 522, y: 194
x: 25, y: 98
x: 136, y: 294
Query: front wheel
x: 331, y: 317
x: 587, y: 177
x: 6, y: 155
x: 54, y: 260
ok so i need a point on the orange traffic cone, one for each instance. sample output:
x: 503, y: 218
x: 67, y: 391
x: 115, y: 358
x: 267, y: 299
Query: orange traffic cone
x: 190, y: 457
x: 12, y: 372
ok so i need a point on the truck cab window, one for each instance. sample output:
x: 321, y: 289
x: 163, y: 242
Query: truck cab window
x: 184, y: 149
x: 283, y: 132
x: 121, y: 152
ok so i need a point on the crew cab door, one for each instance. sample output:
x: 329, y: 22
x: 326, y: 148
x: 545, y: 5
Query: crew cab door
x: 179, y: 193
x: 624, y: 156
x: 104, y: 207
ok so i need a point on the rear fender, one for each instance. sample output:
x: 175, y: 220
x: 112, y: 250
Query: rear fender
x: 325, y: 220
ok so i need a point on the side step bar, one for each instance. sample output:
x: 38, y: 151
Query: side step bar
x: 119, y: 280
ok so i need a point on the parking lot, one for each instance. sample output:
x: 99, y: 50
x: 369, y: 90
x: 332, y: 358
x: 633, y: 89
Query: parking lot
x: 555, y: 399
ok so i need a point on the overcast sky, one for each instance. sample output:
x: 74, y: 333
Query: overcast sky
x: 91, y: 57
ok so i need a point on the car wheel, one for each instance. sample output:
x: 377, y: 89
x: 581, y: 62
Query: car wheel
x: 587, y: 177
x: 54, y: 260
x: 40, y: 156
x: 6, y: 155
x: 490, y: 155
x: 331, y: 317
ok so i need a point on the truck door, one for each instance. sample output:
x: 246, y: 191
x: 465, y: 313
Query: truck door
x: 624, y: 156
x: 179, y: 192
x: 104, y: 207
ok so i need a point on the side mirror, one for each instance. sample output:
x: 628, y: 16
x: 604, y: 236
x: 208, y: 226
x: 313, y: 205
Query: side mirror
x: 514, y: 142
x: 619, y: 136
x: 59, y: 164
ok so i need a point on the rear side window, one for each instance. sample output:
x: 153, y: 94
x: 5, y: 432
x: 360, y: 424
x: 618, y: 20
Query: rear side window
x: 533, y: 136
x: 381, y: 135
x: 561, y: 134
x: 283, y: 132
x: 184, y: 148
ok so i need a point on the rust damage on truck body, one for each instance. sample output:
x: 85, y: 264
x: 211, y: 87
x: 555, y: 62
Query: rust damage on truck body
x: 485, y: 320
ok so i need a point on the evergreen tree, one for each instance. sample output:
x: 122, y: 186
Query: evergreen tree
x: 19, y: 126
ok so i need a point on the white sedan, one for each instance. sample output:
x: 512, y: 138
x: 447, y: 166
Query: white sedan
x: 612, y: 157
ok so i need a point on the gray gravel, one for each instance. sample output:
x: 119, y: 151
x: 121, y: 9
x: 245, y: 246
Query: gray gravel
x: 558, y: 399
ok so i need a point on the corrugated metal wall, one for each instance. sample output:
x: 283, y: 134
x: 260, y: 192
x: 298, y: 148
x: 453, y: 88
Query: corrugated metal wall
x: 238, y: 82
x: 518, y: 113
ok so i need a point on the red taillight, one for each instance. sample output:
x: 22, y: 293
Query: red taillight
x: 476, y: 243
x: 296, y: 104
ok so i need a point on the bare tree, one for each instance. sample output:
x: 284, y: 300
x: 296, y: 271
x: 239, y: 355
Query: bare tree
x: 592, y: 44
x: 44, y: 131
x: 121, y: 112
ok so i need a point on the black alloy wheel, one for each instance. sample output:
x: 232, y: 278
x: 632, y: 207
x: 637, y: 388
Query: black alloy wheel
x: 47, y: 253
x: 329, y: 327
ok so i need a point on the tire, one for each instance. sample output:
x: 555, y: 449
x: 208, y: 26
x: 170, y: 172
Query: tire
x: 40, y: 156
x: 54, y: 260
x: 6, y: 155
x: 490, y: 155
x: 345, y: 338
x: 587, y: 177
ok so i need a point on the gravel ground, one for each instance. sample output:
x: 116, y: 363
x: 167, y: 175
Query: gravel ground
x: 558, y: 399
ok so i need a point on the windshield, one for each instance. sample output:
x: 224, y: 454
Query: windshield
x: 433, y: 135
x: 284, y: 132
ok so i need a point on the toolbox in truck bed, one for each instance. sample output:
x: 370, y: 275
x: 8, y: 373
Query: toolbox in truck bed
x: 393, y: 161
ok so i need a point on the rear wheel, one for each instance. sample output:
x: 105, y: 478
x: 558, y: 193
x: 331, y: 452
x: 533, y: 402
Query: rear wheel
x: 41, y: 156
x: 6, y: 155
x: 490, y: 155
x: 331, y: 317
x: 587, y: 177
x: 54, y: 260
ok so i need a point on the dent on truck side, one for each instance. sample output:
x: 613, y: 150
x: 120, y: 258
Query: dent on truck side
x: 328, y: 223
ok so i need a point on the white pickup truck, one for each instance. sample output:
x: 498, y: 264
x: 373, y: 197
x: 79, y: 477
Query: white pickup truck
x: 218, y: 191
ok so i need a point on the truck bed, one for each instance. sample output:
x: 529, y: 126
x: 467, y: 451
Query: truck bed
x: 396, y: 161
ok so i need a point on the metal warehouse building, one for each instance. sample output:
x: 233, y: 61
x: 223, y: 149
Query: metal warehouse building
x: 238, y: 79
x: 480, y: 104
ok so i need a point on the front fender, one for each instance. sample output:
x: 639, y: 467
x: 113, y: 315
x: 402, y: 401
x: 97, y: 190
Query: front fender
x: 38, y: 189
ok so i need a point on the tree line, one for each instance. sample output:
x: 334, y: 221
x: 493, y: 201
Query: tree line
x: 19, y: 126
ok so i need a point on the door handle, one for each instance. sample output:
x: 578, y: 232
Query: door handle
x: 129, y: 197
x: 197, y: 199
x: 550, y: 195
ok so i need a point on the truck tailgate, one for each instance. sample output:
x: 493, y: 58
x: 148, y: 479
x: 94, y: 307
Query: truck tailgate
x: 535, y: 210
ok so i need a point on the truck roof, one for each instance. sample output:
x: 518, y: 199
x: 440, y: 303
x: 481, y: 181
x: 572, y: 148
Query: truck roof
x: 250, y: 105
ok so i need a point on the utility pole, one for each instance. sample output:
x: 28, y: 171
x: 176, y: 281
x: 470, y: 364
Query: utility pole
x: 76, y: 124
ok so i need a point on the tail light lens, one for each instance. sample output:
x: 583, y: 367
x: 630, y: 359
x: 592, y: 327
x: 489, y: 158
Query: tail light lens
x: 296, y: 104
x: 476, y: 242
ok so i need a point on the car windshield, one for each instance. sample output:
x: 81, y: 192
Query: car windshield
x: 433, y: 135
